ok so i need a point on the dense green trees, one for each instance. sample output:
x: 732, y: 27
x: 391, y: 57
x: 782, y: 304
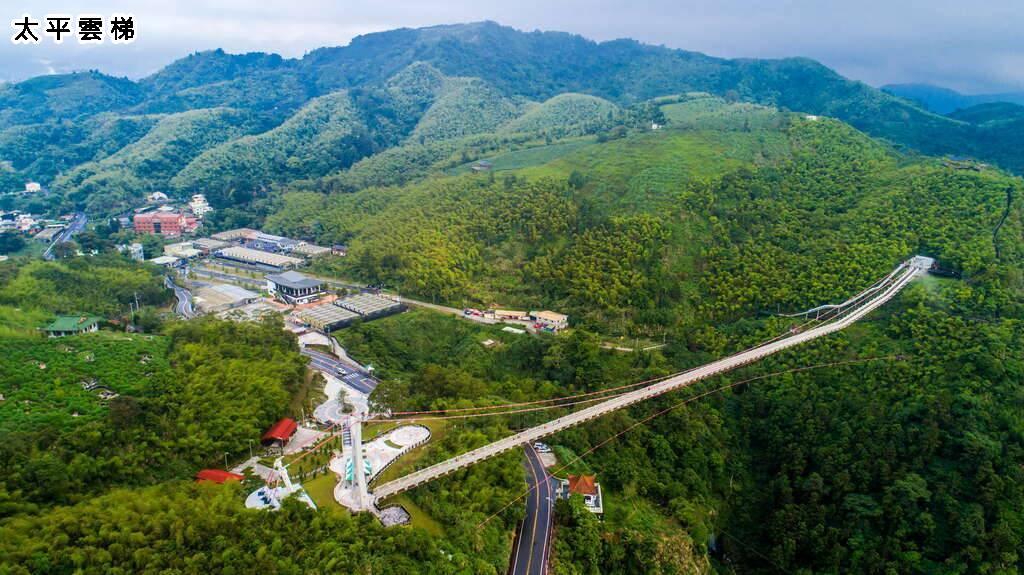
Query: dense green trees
x: 202, y: 528
x: 102, y: 285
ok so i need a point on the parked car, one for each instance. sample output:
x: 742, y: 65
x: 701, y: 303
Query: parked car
x: 542, y: 447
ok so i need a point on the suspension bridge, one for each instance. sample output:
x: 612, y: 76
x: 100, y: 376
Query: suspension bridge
x: 839, y: 316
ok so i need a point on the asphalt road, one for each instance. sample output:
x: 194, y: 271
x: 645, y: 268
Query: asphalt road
x: 76, y: 225
x: 184, y: 306
x: 356, y: 380
x: 532, y: 545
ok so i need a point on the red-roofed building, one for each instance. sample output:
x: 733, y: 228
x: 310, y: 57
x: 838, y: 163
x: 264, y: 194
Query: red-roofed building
x: 588, y: 487
x: 218, y: 476
x: 164, y: 223
x: 280, y: 433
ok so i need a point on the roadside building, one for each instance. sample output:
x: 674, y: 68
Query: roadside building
x: 183, y: 250
x: 280, y: 433
x: 588, y: 487
x: 235, y: 235
x: 157, y: 198
x: 169, y: 224
x: 483, y: 166
x: 222, y: 297
x: 294, y: 288
x: 339, y: 250
x: 549, y: 320
x: 165, y: 261
x: 73, y: 324
x: 217, y: 476
x: 258, y: 257
x: 310, y: 250
x: 33, y: 187
x: 370, y: 306
x: 49, y: 233
x: 325, y: 317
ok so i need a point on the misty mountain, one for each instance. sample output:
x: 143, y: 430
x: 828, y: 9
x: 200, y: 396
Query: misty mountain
x: 944, y: 101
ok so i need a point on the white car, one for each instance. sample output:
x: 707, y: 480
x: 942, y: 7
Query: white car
x: 542, y: 447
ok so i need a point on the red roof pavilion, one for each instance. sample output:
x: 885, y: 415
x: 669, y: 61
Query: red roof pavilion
x: 281, y: 431
x: 218, y: 476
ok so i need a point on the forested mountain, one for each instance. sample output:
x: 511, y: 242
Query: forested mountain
x: 486, y: 76
x: 624, y: 230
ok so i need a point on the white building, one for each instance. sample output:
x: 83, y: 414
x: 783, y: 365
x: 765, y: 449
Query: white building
x: 199, y: 206
x: 32, y: 187
x: 134, y: 251
x: 550, y: 320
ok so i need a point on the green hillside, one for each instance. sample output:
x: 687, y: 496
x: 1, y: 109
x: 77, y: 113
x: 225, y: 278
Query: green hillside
x: 563, y: 115
x: 466, y: 106
x: 324, y: 135
x: 119, y: 181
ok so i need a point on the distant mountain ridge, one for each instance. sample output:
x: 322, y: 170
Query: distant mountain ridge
x: 945, y: 101
x: 452, y: 81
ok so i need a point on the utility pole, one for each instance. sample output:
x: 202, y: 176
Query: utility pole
x: 250, y: 449
x: 226, y: 459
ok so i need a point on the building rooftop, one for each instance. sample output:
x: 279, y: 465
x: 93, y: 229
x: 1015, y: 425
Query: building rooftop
x: 366, y: 303
x: 583, y: 484
x: 235, y: 234
x: 210, y: 244
x: 164, y: 260
x: 294, y: 280
x: 550, y: 315
x: 257, y: 256
x: 219, y: 295
x: 325, y: 315
x: 73, y: 322
x: 218, y: 476
x: 281, y: 430
x: 273, y: 238
x: 310, y: 250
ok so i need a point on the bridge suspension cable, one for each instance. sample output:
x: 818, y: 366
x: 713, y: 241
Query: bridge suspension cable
x: 675, y: 406
x: 837, y: 311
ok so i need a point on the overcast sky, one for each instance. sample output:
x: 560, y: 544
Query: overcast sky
x: 972, y: 46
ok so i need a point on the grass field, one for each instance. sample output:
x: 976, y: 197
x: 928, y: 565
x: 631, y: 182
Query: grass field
x: 321, y: 490
x: 645, y: 172
x: 528, y: 157
x: 710, y: 112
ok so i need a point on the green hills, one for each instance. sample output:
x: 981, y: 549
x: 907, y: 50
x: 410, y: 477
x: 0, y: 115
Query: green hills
x: 419, y: 87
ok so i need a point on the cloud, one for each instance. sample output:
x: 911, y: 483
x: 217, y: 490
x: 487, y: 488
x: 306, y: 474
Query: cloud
x: 965, y: 46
